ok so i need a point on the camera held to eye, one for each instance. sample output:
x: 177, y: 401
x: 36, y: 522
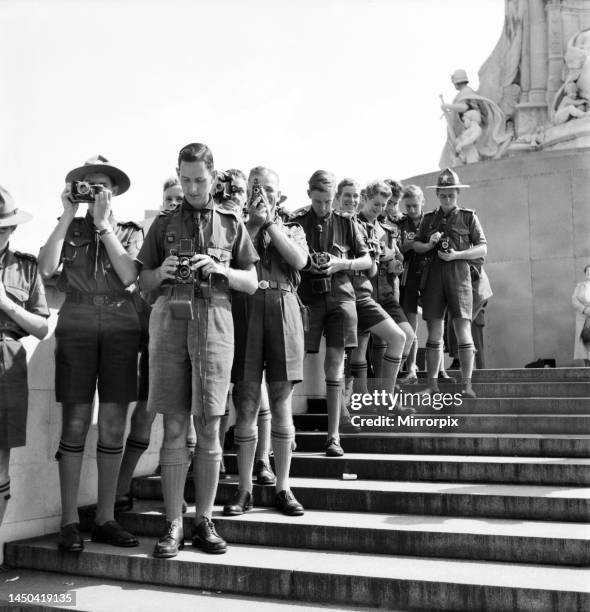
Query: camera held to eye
x: 83, y: 191
x: 222, y: 188
x: 183, y: 291
x: 444, y: 244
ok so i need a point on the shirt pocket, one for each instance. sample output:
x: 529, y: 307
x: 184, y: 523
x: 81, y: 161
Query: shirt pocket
x: 219, y: 255
x: 460, y: 236
x: 20, y: 295
x: 76, y: 250
x: 340, y: 250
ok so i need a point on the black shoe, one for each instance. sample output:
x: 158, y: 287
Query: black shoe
x: 264, y: 475
x: 455, y: 365
x: 446, y: 378
x: 112, y: 533
x: 206, y: 538
x: 240, y: 502
x: 468, y: 392
x: 287, y: 504
x: 124, y: 503
x: 169, y: 545
x: 70, y: 539
x: 333, y: 448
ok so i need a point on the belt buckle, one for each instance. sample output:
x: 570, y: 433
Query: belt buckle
x: 263, y: 284
x: 99, y: 300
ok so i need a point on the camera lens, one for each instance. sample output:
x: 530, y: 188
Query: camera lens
x: 83, y: 188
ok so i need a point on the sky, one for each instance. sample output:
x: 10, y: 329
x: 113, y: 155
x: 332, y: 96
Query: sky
x: 350, y: 86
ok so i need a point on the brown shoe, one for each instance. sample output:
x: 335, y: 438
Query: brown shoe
x: 173, y: 541
x: 206, y: 537
x: 287, y: 504
x: 264, y: 475
x: 333, y: 448
x: 112, y: 533
x: 240, y: 502
x: 70, y: 539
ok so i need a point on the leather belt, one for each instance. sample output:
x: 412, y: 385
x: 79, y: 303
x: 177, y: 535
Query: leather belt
x: 356, y: 273
x: 269, y: 284
x: 98, y: 299
x: 203, y: 291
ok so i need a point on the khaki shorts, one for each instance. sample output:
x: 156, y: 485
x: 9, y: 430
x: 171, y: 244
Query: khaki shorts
x: 190, y: 361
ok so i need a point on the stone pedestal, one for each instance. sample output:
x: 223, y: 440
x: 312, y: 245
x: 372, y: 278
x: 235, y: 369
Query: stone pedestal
x: 528, y: 116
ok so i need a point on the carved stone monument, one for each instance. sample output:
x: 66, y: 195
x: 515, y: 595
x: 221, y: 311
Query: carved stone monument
x: 538, y: 76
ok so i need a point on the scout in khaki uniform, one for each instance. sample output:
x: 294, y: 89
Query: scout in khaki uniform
x: 23, y: 312
x: 454, y: 239
x: 269, y: 337
x: 97, y: 339
x: 193, y: 256
x: 336, y: 247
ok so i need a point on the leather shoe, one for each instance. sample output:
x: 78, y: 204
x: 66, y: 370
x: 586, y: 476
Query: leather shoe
x: 468, y: 392
x: 112, y: 533
x: 333, y: 448
x: 70, y: 539
x: 169, y: 545
x: 206, y: 538
x: 287, y: 504
x: 240, y: 502
x: 124, y: 503
x: 264, y: 475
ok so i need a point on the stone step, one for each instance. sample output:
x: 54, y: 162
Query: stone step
x: 525, y: 375
x: 439, y: 422
x: 553, y: 543
x: 326, y: 576
x: 450, y: 468
x: 512, y: 389
x: 96, y: 594
x: 522, y: 445
x: 552, y: 406
x: 528, y: 502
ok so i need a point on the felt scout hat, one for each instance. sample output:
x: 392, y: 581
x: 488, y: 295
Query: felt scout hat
x: 447, y: 179
x: 99, y: 163
x: 9, y: 213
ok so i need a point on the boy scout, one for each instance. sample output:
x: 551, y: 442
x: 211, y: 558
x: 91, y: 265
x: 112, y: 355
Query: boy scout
x: 269, y: 337
x: 453, y: 237
x: 23, y: 312
x: 336, y: 247
x: 193, y: 256
x: 97, y: 339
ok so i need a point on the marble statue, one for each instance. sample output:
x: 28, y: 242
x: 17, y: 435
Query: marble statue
x: 489, y: 124
x: 569, y: 105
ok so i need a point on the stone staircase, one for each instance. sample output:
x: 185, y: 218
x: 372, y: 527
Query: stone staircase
x: 490, y: 515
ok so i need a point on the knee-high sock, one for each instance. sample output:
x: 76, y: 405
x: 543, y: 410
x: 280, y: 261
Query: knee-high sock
x: 70, y: 457
x: 345, y: 398
x: 391, y: 366
x: 283, y: 437
x: 246, y: 440
x: 333, y: 391
x: 206, y: 479
x: 411, y: 359
x: 359, y: 375
x: 433, y: 363
x: 108, y: 462
x: 174, y: 462
x: 222, y: 430
x: 263, y: 447
x: 134, y: 449
x: 4, y: 497
x: 379, y: 348
x: 466, y: 354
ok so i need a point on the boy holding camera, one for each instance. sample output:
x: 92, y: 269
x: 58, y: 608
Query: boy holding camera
x: 453, y: 237
x: 336, y: 247
x: 97, y: 338
x: 191, y: 336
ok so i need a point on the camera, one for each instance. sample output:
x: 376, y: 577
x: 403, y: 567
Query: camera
x: 320, y: 259
x: 83, y: 191
x: 182, y: 300
x: 444, y: 244
x: 222, y: 189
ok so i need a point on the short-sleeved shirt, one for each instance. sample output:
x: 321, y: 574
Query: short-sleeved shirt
x: 385, y: 284
x: 87, y: 267
x: 23, y: 284
x: 337, y: 234
x: 363, y: 287
x: 460, y: 225
x: 218, y: 232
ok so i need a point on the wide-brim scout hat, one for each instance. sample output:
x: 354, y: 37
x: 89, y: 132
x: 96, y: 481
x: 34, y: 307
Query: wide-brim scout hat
x: 99, y: 163
x: 447, y: 179
x: 9, y: 213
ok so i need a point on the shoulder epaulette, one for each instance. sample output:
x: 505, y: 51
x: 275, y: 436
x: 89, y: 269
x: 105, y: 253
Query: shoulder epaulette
x: 27, y: 256
x: 300, y: 212
x: 129, y: 224
x: 467, y: 210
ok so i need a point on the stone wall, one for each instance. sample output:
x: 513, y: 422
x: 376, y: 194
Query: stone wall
x: 535, y: 210
x: 35, y: 508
